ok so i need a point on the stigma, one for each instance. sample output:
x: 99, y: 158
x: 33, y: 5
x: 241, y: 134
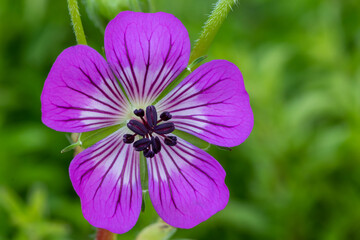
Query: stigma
x: 148, y: 127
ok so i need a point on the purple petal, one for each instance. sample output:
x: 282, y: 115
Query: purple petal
x: 186, y: 185
x: 212, y: 104
x: 106, y: 177
x: 80, y: 93
x: 147, y: 51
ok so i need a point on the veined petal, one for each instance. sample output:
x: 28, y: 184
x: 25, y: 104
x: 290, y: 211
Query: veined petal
x: 186, y: 185
x: 106, y: 177
x: 146, y: 51
x: 81, y: 93
x: 212, y: 104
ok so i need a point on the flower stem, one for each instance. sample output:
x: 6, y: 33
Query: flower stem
x: 103, y: 234
x: 76, y: 22
x: 211, y: 27
x: 143, y: 173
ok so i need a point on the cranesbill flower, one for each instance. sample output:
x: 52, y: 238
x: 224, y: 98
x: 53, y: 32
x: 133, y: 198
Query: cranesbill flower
x: 145, y: 52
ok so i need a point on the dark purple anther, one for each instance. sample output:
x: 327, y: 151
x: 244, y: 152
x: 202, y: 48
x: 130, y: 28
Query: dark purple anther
x: 142, y: 144
x: 165, y: 116
x: 156, y: 144
x: 151, y: 116
x: 149, y: 127
x: 137, y: 127
x: 128, y: 138
x: 164, y: 128
x: 148, y: 153
x: 170, y: 140
x: 139, y: 112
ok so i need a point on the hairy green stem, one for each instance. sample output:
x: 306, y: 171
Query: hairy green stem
x: 102, y: 234
x: 76, y: 22
x: 211, y: 27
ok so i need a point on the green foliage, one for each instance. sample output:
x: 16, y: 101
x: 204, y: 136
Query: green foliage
x: 30, y: 219
x: 296, y: 177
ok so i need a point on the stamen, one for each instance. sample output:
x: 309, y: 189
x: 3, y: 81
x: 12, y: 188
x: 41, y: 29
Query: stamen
x: 129, y: 138
x: 148, y: 153
x: 151, y: 116
x: 156, y: 144
x: 142, y: 144
x: 139, y: 112
x: 170, y: 140
x: 146, y: 127
x: 137, y: 127
x: 165, y: 116
x: 164, y: 128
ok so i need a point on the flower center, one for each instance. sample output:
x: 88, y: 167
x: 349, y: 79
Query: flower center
x: 146, y: 128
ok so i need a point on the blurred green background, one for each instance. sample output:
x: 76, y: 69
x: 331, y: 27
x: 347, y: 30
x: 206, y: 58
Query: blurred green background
x: 296, y: 177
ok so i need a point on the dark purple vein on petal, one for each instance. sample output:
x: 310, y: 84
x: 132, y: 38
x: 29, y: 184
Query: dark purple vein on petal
x: 91, y: 97
x: 168, y: 180
x: 118, y: 96
x: 179, y: 169
x: 97, y: 87
x: 197, y: 93
x: 116, y: 85
x: 91, y: 170
x: 180, y: 124
x: 159, y: 182
x: 121, y: 177
x: 130, y: 63
x: 165, y: 82
x: 184, y: 148
x: 84, y: 109
x: 108, y: 170
x: 98, y: 154
x: 132, y: 169
x: 102, y: 123
x: 196, y: 167
x: 87, y: 118
x: 161, y: 69
x: 204, y: 121
x: 180, y: 91
x: 146, y: 70
x: 197, y: 106
x: 127, y: 83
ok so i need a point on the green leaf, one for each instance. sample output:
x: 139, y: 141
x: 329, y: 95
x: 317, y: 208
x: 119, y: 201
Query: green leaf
x: 70, y: 147
x: 224, y: 148
x: 195, y: 63
x: 88, y: 139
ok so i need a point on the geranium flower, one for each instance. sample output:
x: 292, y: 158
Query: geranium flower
x: 145, y: 52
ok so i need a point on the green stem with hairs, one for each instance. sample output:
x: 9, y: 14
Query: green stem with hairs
x: 211, y: 27
x: 76, y: 22
x: 102, y: 234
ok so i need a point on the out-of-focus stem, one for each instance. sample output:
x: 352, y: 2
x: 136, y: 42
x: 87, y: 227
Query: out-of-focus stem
x: 76, y: 21
x: 103, y: 234
x: 211, y: 27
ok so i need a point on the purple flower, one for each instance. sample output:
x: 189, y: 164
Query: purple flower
x: 145, y: 52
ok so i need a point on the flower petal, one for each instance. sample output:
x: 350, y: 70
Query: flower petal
x: 81, y: 93
x: 106, y: 177
x: 186, y: 185
x: 212, y: 104
x: 146, y: 51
